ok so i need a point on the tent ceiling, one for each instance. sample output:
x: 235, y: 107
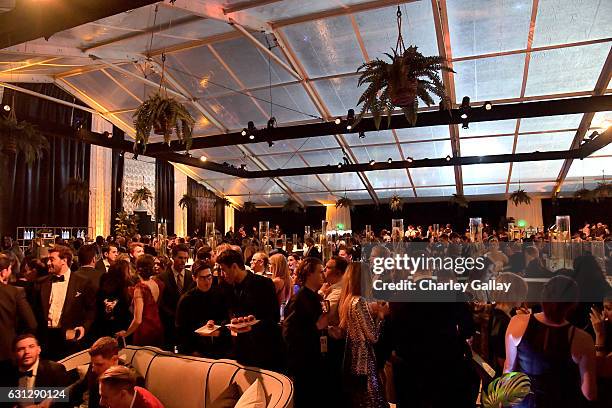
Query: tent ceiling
x: 323, y: 42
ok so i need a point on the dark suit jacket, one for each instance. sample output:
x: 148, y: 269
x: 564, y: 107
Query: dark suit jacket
x: 79, y: 307
x: 49, y: 374
x: 15, y: 312
x: 100, y: 267
x: 313, y: 252
x: 170, y: 295
x: 93, y: 274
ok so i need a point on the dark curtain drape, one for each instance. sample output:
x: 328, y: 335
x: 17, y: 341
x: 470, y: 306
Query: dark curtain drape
x: 34, y: 194
x: 116, y: 178
x: 205, y: 211
x: 220, y: 216
x: 164, y: 193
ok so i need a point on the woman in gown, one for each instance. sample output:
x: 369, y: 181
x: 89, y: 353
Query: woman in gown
x: 146, y: 328
x: 364, y: 385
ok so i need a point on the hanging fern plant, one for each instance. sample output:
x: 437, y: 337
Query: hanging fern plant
x: 520, y: 197
x: 141, y: 195
x: 583, y: 194
x: 21, y: 137
x: 165, y: 116
x: 507, y: 391
x: 396, y: 203
x: 187, y: 201
x: 459, y: 200
x: 77, y: 190
x: 292, y: 206
x: 345, y: 202
x: 249, y: 207
x: 603, y: 190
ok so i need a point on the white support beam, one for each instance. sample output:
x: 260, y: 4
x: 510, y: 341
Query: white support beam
x: 49, y: 98
x: 175, y: 83
x: 49, y: 50
x: 25, y: 78
x: 216, y: 12
x: 265, y: 49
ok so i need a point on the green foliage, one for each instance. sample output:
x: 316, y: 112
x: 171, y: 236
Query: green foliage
x: 520, y: 197
x: 249, y: 207
x: 22, y: 137
x: 77, y: 190
x: 459, y: 200
x: 400, y: 83
x: 188, y: 201
x: 140, y: 195
x: 164, y: 114
x: 396, y: 203
x: 126, y: 225
x: 507, y: 391
x: 345, y: 202
x: 292, y: 206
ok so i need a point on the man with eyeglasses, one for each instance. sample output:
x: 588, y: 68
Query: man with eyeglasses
x: 202, y: 305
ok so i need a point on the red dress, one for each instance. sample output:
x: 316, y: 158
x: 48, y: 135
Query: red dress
x: 150, y: 332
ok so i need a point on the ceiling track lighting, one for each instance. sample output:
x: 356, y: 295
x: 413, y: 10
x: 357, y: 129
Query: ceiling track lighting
x: 337, y: 121
x: 389, y: 160
x: 372, y: 162
x: 340, y: 165
x: 465, y: 107
x: 487, y: 105
x: 107, y: 134
x: 271, y: 123
x: 7, y: 108
x: 203, y: 158
x: 362, y: 134
x: 409, y: 159
x: 448, y: 157
x: 244, y: 132
x: 350, y: 119
x: 270, y: 143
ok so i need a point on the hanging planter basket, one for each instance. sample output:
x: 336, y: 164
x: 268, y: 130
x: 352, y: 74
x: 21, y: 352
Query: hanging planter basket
x: 404, y: 95
x: 141, y: 195
x: 292, y: 206
x: 459, y: 200
x: 187, y: 201
x: 396, y: 203
x: 161, y: 127
x: 520, y: 197
x: 249, y: 207
x: 345, y: 202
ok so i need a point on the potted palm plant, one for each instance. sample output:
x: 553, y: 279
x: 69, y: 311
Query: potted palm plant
x: 345, y: 202
x: 141, y: 195
x: 396, y: 203
x: 292, y: 206
x: 77, y: 190
x: 507, y: 391
x: 187, y: 201
x: 21, y: 137
x: 165, y: 116
x: 520, y: 197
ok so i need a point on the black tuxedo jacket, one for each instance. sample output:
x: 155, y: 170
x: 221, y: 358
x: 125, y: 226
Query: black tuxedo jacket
x: 49, y: 374
x: 313, y: 252
x: 15, y: 313
x: 100, y: 267
x: 93, y: 274
x: 170, y: 295
x: 79, y: 307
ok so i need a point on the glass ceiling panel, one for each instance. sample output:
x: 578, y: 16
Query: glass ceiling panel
x: 281, y: 161
x: 564, y: 21
x: 143, y: 17
x: 236, y: 110
x: 485, y: 26
x: 436, y: 192
x: 498, y: 127
x: 198, y: 29
x: 544, y: 142
x: 562, y: 70
x: 546, y: 123
x: 340, y: 181
x: 86, y: 34
x: 388, y: 193
x: 489, y: 78
x: 103, y: 90
x: 388, y: 178
x: 261, y: 186
x: 275, y: 199
x: 533, y: 187
x: 601, y: 121
x: 574, y: 184
x: 209, y: 175
x: 280, y: 146
x: 422, y: 133
x: 141, y: 43
x: 250, y: 64
x: 292, y: 8
x: 377, y: 153
x: 433, y: 176
x: 591, y: 166
x: 484, y: 189
x: 325, y: 47
x: 378, y: 28
x: 220, y: 153
x: 339, y: 94
x: 375, y: 137
x: 310, y: 143
x: 200, y: 72
x: 331, y: 156
x: 306, y: 183
x: 536, y: 171
x: 293, y: 97
x: 318, y: 198
x: 485, y: 173
x: 427, y: 150
x: 483, y: 146
x: 355, y: 195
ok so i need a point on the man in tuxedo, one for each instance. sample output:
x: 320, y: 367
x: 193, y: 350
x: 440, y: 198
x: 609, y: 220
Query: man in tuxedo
x: 64, y: 305
x: 176, y: 282
x: 15, y: 311
x: 109, y: 256
x: 87, y: 260
x: 118, y: 389
x: 311, y: 250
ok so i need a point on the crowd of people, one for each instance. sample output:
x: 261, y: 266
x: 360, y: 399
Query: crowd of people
x: 314, y: 320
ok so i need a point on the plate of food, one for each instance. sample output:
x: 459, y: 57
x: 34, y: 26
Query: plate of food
x: 242, y: 322
x: 207, y: 329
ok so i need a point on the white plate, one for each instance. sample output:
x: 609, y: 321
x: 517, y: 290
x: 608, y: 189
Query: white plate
x: 239, y: 326
x: 205, y: 330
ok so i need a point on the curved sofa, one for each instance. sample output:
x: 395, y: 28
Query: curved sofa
x: 192, y: 382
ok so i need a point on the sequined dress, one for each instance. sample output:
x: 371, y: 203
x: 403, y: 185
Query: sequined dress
x: 365, y: 387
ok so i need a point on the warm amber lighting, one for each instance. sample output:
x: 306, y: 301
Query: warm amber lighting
x: 204, y: 81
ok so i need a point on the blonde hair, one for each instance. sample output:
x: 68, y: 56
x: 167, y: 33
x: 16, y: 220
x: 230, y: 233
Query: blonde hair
x: 280, y: 270
x: 351, y: 288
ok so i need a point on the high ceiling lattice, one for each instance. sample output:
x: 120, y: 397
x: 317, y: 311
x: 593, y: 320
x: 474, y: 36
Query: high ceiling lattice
x: 502, y: 51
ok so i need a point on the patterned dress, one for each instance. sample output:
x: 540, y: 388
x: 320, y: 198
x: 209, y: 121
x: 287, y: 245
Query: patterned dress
x: 365, y: 387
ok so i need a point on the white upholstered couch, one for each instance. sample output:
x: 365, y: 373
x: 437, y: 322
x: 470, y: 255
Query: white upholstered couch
x: 191, y: 382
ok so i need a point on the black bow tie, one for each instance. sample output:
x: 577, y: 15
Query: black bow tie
x: 57, y: 278
x: 28, y: 373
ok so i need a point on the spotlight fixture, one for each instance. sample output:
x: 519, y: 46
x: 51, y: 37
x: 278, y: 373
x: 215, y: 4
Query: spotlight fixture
x: 340, y: 165
x: 350, y: 119
x: 409, y: 159
x: 7, y: 108
x: 271, y: 123
x: 448, y: 158
x: 270, y: 143
x: 372, y: 162
x: 244, y: 132
x: 389, y: 160
x: 107, y: 134
x: 187, y: 154
x: 465, y: 124
x: 488, y: 105
x: 465, y: 107
x: 362, y: 134
x: 243, y: 167
x: 203, y: 158
x: 338, y: 121
x: 251, y: 136
x: 346, y: 160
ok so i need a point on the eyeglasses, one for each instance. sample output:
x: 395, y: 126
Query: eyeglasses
x: 209, y: 276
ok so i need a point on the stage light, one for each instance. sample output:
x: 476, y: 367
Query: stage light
x: 372, y: 162
x: 389, y: 160
x: 448, y: 158
x: 338, y: 121
x: 243, y: 167
x: 244, y: 132
x: 340, y: 165
x: 409, y: 159
x: 107, y: 134
x: 465, y: 124
x: 7, y: 108
x: 350, y: 119
x: 252, y: 136
x: 488, y: 105
x: 271, y: 123
x: 203, y: 158
x: 362, y: 134
x: 465, y: 107
x: 270, y: 143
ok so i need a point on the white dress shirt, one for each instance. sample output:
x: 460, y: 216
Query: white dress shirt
x: 57, y: 299
x: 28, y: 382
x: 334, y: 298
